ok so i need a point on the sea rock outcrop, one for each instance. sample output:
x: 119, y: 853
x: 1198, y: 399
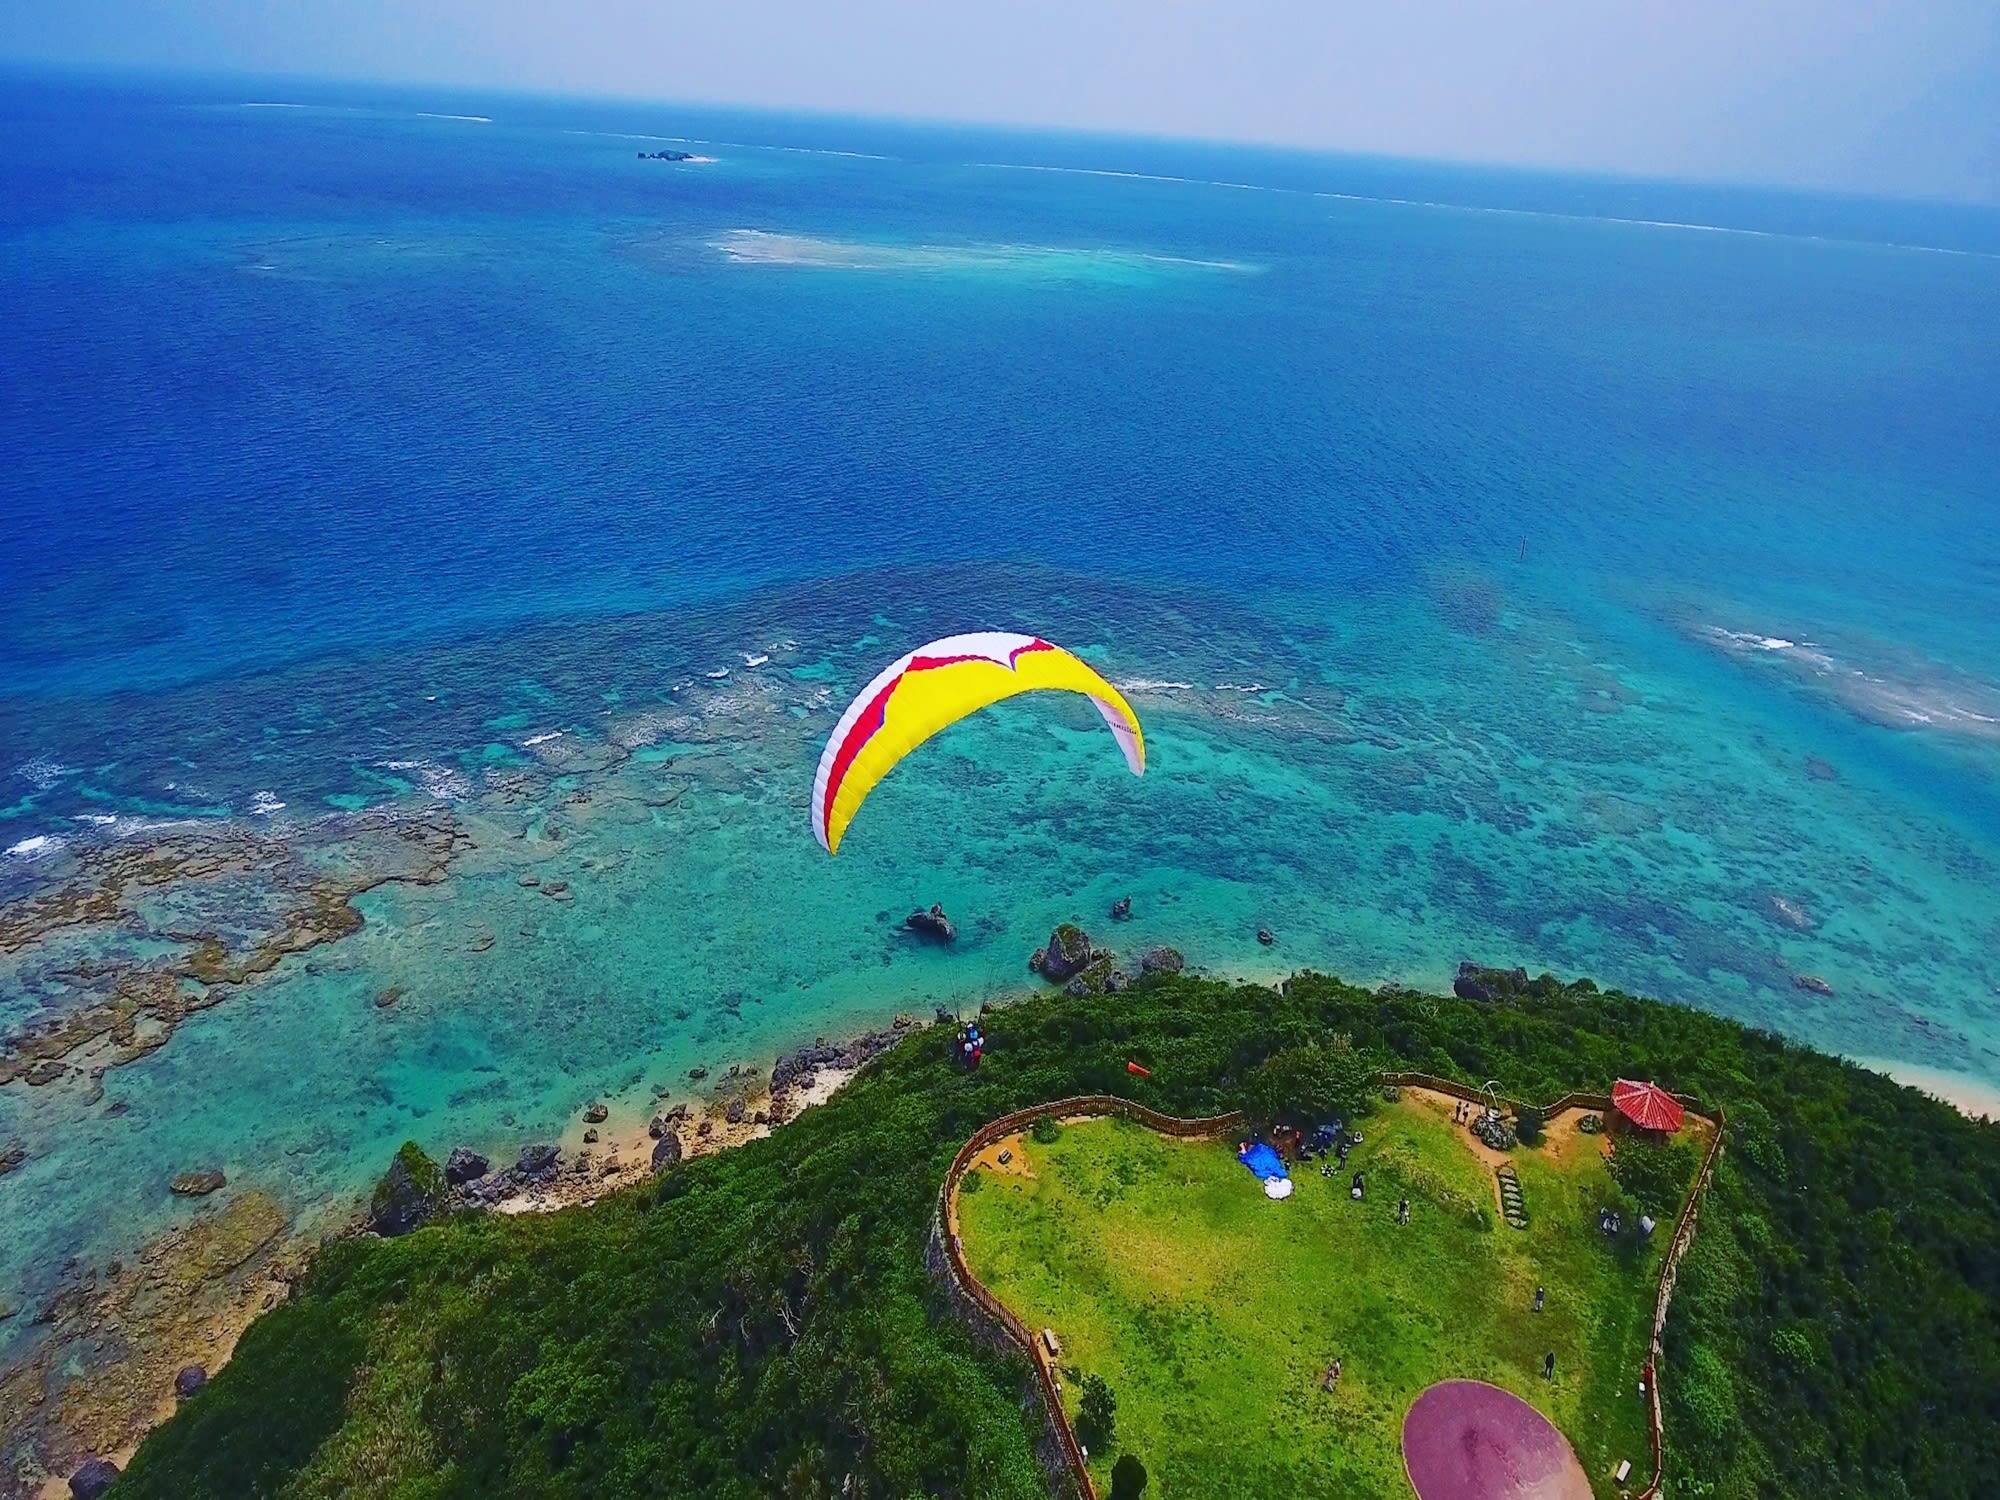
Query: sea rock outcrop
x: 463, y: 1165
x: 409, y: 1194
x: 1066, y: 955
x: 1121, y: 909
x: 1161, y: 960
x: 668, y: 1152
x: 1812, y: 982
x: 1789, y: 913
x: 595, y: 1113
x: 199, y: 1184
x: 933, y: 924
x: 1476, y: 982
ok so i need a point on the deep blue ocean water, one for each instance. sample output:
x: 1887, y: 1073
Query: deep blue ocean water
x: 1545, y: 570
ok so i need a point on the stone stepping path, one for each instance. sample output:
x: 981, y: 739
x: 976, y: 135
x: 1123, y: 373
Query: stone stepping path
x: 1511, y: 1207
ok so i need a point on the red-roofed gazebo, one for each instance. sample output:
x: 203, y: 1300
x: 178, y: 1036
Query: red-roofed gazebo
x: 1646, y: 1105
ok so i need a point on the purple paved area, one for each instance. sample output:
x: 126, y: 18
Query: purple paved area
x: 1467, y: 1440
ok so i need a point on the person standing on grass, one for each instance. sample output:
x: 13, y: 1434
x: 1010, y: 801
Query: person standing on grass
x: 1549, y: 1365
x: 1539, y: 1294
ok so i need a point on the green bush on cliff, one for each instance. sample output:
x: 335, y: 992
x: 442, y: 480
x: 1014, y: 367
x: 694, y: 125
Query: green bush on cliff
x: 761, y: 1323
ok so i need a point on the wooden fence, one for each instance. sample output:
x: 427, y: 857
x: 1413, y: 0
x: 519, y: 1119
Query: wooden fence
x: 950, y: 1255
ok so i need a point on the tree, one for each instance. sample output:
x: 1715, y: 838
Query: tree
x: 1528, y: 1125
x: 1307, y: 1084
x: 1097, y: 1414
x: 1128, y: 1478
x: 1656, y: 1173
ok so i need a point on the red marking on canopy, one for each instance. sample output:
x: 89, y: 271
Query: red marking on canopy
x: 932, y: 663
x: 1646, y: 1105
x: 863, y: 730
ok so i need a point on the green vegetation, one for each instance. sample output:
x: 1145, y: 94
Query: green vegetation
x: 760, y: 1323
x: 1096, y: 1413
x: 1528, y: 1126
x: 1311, y: 1083
x: 1214, y: 1312
x: 1128, y: 1478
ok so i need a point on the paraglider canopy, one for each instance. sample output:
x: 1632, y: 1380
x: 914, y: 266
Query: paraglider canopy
x: 1646, y: 1105
x: 936, y: 686
x: 1262, y: 1158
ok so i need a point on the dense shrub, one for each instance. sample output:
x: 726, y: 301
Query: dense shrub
x: 760, y: 1322
x: 1528, y: 1125
x: 1096, y: 1414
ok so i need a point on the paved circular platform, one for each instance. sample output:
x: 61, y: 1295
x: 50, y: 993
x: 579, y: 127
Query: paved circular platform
x: 1467, y: 1440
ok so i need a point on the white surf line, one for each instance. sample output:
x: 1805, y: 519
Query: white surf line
x: 1482, y: 208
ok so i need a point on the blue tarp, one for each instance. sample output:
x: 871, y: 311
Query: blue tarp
x: 1263, y: 1160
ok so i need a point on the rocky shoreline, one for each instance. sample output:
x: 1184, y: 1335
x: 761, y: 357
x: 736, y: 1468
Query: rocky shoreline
x: 126, y: 1341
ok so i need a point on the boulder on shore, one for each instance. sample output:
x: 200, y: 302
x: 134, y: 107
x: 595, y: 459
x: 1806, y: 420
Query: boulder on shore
x: 668, y: 1152
x: 463, y: 1165
x: 198, y: 1184
x: 92, y: 1478
x: 191, y: 1379
x: 595, y: 1113
x: 538, y: 1163
x: 410, y: 1192
x: 1161, y: 960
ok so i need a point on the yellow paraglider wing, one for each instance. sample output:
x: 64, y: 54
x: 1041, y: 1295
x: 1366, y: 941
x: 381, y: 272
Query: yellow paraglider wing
x: 936, y: 686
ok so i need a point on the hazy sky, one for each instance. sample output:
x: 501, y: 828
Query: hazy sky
x: 1899, y: 97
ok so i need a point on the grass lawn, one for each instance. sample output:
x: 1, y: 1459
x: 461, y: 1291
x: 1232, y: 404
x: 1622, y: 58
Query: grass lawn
x: 1213, y: 1311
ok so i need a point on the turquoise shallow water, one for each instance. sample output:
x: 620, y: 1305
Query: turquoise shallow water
x: 1539, y: 587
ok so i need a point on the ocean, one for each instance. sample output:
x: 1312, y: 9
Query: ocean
x: 440, y: 500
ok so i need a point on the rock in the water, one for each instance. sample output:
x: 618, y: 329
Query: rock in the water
x: 932, y: 924
x: 1121, y: 908
x: 594, y: 1113
x: 590, y: 1138
x: 1475, y: 982
x: 463, y: 1165
x: 667, y: 1153
x: 656, y: 1127
x: 92, y: 1478
x: 199, y: 1184
x: 1161, y: 960
x: 1821, y: 770
x: 1813, y: 983
x: 191, y: 1379
x: 44, y: 1073
x: 1067, y: 954
x: 538, y: 1163
x: 11, y: 1156
x: 409, y: 1193
x: 1790, y: 913
x: 695, y: 1075
x: 389, y: 997
x: 1266, y: 936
